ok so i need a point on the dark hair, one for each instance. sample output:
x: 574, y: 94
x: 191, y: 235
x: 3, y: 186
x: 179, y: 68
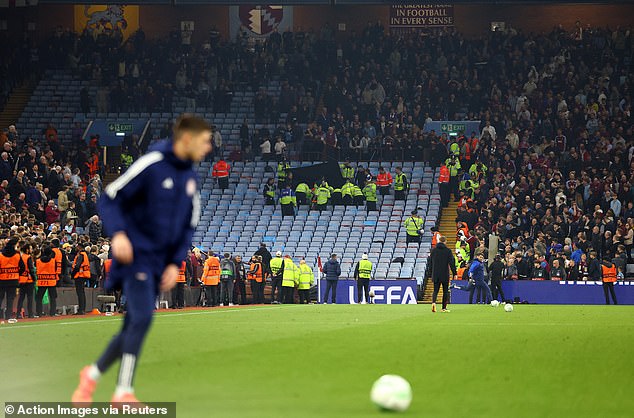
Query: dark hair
x: 190, y: 123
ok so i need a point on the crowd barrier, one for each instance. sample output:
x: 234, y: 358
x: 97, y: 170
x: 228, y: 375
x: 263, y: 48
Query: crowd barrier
x: 555, y: 292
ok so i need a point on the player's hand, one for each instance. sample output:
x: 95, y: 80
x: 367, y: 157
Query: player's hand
x: 122, y: 250
x: 168, y: 279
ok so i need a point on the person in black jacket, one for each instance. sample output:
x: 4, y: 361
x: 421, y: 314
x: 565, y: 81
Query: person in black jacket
x: 266, y: 257
x: 442, y: 260
x: 495, y: 272
x: 594, y: 268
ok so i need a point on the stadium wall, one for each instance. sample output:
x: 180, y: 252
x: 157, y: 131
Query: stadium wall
x: 471, y: 19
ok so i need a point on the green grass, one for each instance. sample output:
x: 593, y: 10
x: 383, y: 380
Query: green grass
x: 320, y: 361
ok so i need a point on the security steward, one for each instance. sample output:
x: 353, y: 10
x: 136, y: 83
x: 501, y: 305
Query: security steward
x: 346, y: 193
x: 256, y: 278
x: 290, y: 278
x: 443, y: 185
x: 453, y: 165
x: 269, y: 192
x: 277, y: 270
x: 414, y: 227
x: 283, y: 168
x: 288, y: 201
x: 369, y: 192
x: 608, y: 270
x: 221, y: 173
x: 306, y: 281
x: 362, y: 274
x: 47, y: 279
x: 357, y: 196
x: 81, y: 273
x: 322, y: 195
x: 211, y: 280
x: 178, y: 293
x: 401, y: 185
x: 303, y: 194
x: 11, y: 266
x: 26, y: 281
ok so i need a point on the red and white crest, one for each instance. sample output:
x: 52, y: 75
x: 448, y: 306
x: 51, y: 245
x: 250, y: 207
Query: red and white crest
x: 261, y: 20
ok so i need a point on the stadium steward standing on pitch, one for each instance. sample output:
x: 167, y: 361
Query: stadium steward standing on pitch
x: 150, y: 212
x: 81, y: 273
x: 363, y: 272
x: 277, y: 270
x: 608, y: 273
x: 332, y: 271
x: 227, y: 276
x: 442, y: 260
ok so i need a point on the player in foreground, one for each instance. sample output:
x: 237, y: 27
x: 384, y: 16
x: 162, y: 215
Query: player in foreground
x: 150, y: 212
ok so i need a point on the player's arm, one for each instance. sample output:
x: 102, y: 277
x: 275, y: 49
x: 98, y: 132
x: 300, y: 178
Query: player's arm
x: 452, y: 264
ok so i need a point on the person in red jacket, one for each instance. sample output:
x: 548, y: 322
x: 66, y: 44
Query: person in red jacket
x: 221, y: 173
x: 383, y: 181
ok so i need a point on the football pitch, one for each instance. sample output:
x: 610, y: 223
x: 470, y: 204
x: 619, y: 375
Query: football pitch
x: 321, y: 360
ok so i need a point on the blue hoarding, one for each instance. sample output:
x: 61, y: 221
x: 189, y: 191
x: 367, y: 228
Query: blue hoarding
x: 390, y: 292
x: 555, y: 292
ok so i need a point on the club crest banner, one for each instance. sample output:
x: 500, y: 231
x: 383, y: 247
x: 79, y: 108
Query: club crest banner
x: 114, y: 17
x: 260, y: 21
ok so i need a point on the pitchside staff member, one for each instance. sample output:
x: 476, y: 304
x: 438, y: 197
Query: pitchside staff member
x: 441, y: 259
x: 150, y: 212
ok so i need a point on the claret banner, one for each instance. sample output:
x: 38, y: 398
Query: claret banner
x: 418, y: 16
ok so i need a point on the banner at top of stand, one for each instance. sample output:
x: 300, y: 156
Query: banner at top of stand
x: 419, y: 16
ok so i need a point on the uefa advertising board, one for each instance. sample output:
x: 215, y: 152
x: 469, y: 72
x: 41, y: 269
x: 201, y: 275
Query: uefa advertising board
x: 386, y: 292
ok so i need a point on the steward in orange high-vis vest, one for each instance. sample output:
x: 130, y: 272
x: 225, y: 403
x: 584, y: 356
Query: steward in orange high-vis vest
x: 443, y: 185
x: 26, y: 282
x: 383, y: 181
x: 221, y: 173
x: 46, y: 280
x: 434, y: 237
x: 609, y: 272
x: 256, y: 276
x: 11, y: 266
x: 81, y: 273
x: 211, y: 280
x: 178, y: 293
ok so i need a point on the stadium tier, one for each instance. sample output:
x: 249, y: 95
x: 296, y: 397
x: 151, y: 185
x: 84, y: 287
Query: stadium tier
x: 237, y: 220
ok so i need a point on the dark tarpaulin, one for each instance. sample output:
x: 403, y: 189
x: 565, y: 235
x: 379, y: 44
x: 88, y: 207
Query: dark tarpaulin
x: 328, y: 171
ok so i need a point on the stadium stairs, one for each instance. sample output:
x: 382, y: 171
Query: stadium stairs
x: 15, y: 105
x: 446, y: 227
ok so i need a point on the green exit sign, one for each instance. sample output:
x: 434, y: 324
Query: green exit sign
x: 121, y: 127
x: 452, y: 127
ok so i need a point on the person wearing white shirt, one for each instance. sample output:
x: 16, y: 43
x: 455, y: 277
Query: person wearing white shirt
x: 488, y: 128
x: 265, y: 149
x: 280, y: 146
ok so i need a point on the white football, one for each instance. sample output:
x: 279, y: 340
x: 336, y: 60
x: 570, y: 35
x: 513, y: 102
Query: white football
x: 391, y: 393
x: 495, y: 303
x: 508, y: 307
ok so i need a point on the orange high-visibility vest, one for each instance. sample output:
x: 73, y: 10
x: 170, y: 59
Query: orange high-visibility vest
x: 221, y: 169
x: 444, y: 174
x: 46, y: 273
x: 181, y: 274
x: 84, y: 269
x: 467, y: 151
x: 25, y: 276
x: 383, y: 180
x: 9, y: 267
x: 434, y: 239
x: 107, y: 265
x: 211, y: 272
x: 460, y: 272
x: 257, y: 276
x: 609, y: 274
x: 58, y: 260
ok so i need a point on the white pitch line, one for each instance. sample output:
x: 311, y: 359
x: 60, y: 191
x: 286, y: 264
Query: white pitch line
x: 120, y: 317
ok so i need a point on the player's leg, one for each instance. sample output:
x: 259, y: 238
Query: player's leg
x: 435, y: 294
x: 445, y: 295
x: 52, y: 300
x: 613, y: 293
x: 605, y: 293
